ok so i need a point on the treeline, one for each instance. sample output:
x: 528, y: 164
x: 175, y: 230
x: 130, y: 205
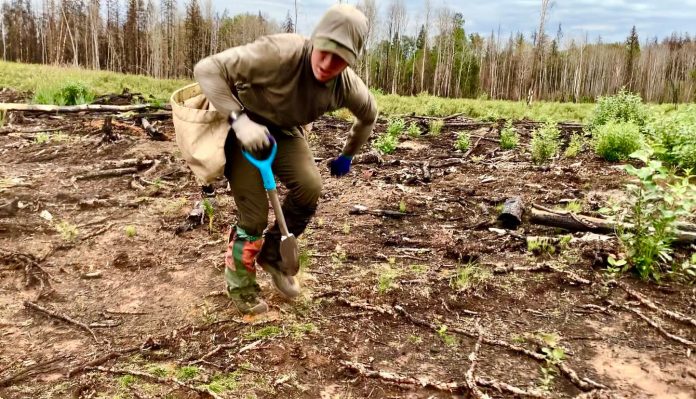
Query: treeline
x: 158, y: 38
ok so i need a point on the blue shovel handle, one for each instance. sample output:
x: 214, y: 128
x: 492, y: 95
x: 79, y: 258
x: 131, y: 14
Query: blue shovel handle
x: 264, y: 165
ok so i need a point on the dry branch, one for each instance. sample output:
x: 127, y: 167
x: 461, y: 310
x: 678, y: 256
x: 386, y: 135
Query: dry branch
x: 400, y: 379
x: 31, y: 370
x: 159, y: 380
x: 39, y: 108
x: 152, y: 131
x: 584, y: 384
x: 106, y: 173
x: 574, y: 222
x: 657, y: 326
x: 395, y: 378
x: 469, y: 376
x: 101, y: 360
x: 363, y: 210
x: 58, y: 316
x: 651, y: 305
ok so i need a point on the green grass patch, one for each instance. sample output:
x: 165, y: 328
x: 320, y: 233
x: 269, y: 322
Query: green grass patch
x: 34, y: 78
x: 615, y: 141
x: 435, y: 127
x: 224, y: 382
x: 63, y: 93
x: 264, y: 332
x: 468, y: 276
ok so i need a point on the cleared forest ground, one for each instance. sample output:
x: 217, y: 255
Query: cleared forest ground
x: 385, y: 298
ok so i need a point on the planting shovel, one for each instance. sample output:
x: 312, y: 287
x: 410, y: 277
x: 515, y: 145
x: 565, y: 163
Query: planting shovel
x: 288, y: 242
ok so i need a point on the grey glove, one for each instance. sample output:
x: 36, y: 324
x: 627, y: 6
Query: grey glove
x: 252, y: 136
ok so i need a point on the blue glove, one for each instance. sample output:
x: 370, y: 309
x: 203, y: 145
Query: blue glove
x: 340, y: 166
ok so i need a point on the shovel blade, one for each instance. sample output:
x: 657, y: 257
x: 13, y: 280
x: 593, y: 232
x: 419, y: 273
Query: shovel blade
x: 289, y: 255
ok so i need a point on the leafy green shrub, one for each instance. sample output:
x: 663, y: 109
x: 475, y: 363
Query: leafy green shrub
x: 435, y: 127
x: 674, y: 137
x: 622, y: 107
x: 413, y: 130
x: 396, y: 127
x: 545, y: 143
x: 574, y: 146
x: 615, y: 141
x: 71, y: 93
x: 654, y: 205
x: 463, y: 142
x: 509, y: 137
x: 386, y: 143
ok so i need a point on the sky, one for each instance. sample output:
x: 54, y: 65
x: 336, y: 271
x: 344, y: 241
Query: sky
x: 609, y: 19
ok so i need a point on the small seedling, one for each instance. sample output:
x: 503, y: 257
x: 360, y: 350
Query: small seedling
x: 396, y: 127
x: 346, y: 227
x: 463, y: 142
x: 385, y: 279
x: 305, y: 258
x: 130, y: 231
x: 448, y: 339
x: 157, y: 370
x: 469, y: 276
x: 574, y: 146
x: 402, y: 206
x: 616, y: 266
x: 435, y: 127
x: 42, y: 138
x: 385, y: 143
x: 187, y: 373
x: 209, y: 212
x: 67, y: 231
x: 545, y: 143
x: 420, y: 269
x: 509, y: 137
x: 540, y: 246
x: 224, y: 382
x: 126, y: 381
x: 339, y: 255
x: 301, y: 329
x: 574, y: 206
x: 413, y: 130
x: 415, y: 339
x: 264, y: 332
x: 564, y: 241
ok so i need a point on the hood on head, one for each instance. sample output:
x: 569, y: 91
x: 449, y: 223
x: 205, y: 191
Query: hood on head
x: 341, y: 31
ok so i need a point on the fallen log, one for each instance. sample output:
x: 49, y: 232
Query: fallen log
x: 41, y: 108
x: 363, y: 210
x: 511, y: 216
x: 572, y: 222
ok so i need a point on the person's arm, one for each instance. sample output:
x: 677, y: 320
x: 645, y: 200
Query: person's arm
x: 255, y: 63
x: 361, y: 104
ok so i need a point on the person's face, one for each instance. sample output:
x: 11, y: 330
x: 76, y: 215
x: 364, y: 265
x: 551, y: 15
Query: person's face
x: 327, y: 66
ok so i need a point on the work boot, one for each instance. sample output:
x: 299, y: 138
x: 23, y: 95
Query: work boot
x: 288, y: 286
x: 247, y: 301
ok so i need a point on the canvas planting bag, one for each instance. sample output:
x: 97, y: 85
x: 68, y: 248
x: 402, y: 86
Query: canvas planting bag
x: 201, y: 132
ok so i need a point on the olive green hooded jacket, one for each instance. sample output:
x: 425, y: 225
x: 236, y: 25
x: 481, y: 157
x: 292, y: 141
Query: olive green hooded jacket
x: 272, y: 78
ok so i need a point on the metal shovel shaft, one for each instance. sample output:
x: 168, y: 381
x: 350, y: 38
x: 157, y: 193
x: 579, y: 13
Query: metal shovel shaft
x: 278, y: 211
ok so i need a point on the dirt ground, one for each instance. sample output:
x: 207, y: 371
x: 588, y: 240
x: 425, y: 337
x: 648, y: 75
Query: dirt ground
x: 384, y: 298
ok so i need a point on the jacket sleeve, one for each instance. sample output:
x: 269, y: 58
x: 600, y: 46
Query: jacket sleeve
x: 254, y: 63
x: 361, y: 103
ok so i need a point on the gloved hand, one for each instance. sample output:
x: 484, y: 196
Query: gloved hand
x: 252, y: 136
x: 340, y: 165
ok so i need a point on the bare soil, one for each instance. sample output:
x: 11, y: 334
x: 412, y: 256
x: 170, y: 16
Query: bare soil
x: 155, y: 301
